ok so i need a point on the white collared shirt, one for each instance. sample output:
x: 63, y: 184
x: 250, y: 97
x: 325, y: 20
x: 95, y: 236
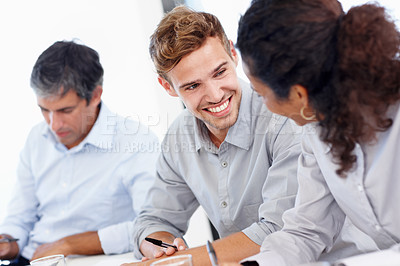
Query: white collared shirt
x: 98, y: 185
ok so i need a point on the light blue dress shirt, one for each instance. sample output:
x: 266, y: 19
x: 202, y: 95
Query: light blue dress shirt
x: 368, y: 196
x: 244, y: 185
x: 99, y: 184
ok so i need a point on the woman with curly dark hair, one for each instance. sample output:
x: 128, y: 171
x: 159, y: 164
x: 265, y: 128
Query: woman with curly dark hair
x: 339, y: 75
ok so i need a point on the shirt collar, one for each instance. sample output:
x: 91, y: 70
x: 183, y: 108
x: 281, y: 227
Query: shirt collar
x: 103, y: 130
x: 201, y: 136
x: 240, y: 134
x: 100, y: 136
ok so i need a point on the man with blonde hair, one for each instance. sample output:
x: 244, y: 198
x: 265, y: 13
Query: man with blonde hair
x: 225, y: 152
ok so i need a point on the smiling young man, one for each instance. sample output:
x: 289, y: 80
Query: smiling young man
x: 225, y: 152
x: 78, y: 186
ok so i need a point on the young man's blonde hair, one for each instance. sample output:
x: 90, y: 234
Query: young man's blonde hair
x: 181, y: 32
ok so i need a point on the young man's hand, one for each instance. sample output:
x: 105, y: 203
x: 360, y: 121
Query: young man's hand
x: 151, y: 251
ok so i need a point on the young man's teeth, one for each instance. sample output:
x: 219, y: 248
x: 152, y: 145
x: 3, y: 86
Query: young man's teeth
x: 219, y: 108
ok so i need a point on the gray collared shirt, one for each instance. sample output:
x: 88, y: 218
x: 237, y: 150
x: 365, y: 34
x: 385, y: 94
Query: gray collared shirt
x: 368, y: 196
x: 244, y: 185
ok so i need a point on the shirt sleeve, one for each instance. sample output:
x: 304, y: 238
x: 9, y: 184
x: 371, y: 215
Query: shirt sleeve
x: 139, y: 177
x: 116, y: 239
x: 23, y: 208
x: 280, y: 187
x: 169, y: 204
x: 310, y: 227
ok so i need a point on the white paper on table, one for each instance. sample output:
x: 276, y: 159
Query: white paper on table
x: 388, y: 257
x: 101, y: 260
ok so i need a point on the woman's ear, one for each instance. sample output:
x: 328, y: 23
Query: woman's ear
x: 299, y: 95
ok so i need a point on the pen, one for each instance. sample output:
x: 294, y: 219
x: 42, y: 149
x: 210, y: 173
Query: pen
x: 7, y: 240
x: 211, y: 253
x: 160, y: 243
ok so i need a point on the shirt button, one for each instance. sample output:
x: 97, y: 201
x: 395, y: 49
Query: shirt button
x: 360, y: 188
x: 224, y: 164
x: 224, y: 204
x: 377, y: 227
x: 64, y: 185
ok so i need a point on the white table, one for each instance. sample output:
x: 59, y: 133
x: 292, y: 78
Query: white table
x: 100, y: 260
x: 387, y: 257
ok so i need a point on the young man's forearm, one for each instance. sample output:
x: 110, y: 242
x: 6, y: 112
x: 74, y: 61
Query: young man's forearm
x: 229, y: 249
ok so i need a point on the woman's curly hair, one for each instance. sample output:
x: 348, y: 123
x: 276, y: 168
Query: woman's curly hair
x: 348, y: 63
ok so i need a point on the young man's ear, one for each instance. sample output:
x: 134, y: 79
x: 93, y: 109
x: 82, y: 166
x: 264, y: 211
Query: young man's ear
x: 168, y: 88
x: 234, y: 53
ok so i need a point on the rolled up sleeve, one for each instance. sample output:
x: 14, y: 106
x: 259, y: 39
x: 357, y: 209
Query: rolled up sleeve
x: 116, y: 239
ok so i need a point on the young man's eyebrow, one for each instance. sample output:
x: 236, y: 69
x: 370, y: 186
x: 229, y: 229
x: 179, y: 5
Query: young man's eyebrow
x: 196, y: 81
x: 188, y: 83
x: 219, y: 67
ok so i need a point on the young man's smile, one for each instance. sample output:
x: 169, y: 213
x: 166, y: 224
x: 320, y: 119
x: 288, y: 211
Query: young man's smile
x: 206, y: 81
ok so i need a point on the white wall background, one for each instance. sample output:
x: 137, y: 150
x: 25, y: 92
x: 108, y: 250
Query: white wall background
x: 119, y: 30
